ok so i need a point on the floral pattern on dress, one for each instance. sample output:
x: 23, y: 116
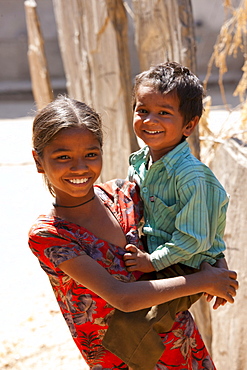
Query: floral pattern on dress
x: 54, y: 240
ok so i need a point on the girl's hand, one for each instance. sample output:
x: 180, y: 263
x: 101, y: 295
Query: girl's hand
x: 135, y: 259
x: 221, y: 283
x: 218, y: 301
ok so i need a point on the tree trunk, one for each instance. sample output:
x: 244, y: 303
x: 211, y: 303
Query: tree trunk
x: 229, y: 345
x: 93, y: 38
x: 165, y: 32
x: 41, y: 85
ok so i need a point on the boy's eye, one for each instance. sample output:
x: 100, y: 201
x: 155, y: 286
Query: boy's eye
x: 141, y: 110
x: 163, y: 113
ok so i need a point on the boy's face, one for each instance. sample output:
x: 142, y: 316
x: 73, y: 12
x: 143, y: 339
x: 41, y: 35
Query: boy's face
x: 158, y: 122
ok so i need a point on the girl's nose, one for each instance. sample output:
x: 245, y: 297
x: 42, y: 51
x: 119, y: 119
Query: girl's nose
x: 78, y: 165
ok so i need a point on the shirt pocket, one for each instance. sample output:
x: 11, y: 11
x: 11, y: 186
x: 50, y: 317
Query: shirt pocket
x: 164, y: 215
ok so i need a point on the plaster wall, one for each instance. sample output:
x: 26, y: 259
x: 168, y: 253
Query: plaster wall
x: 14, y: 69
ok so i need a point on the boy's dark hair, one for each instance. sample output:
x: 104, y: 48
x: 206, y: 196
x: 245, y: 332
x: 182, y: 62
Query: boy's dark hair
x: 173, y: 77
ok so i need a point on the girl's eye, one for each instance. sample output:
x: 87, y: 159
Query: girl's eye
x: 91, y: 155
x: 62, y: 157
x: 163, y: 113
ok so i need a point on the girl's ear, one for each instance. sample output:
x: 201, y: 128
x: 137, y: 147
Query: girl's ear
x: 189, y: 128
x: 37, y: 161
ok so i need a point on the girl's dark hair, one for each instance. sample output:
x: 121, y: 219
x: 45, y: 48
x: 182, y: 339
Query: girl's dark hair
x: 61, y: 114
x: 173, y: 77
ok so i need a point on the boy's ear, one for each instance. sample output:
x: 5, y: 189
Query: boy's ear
x: 189, y: 128
x: 37, y: 161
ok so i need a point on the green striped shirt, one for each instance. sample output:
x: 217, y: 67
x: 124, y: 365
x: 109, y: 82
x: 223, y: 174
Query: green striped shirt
x: 184, y: 207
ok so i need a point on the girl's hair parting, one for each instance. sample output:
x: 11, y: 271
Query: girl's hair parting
x: 172, y: 77
x: 61, y: 114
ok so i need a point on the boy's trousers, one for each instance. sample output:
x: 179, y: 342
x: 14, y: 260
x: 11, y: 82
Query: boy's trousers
x: 134, y: 336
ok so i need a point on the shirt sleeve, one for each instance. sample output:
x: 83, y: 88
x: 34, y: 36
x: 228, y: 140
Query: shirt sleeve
x: 53, y: 245
x: 199, y: 228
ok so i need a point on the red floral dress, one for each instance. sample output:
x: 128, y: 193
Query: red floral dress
x: 54, y: 240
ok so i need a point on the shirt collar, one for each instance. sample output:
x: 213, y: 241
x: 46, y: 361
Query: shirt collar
x: 142, y: 155
x: 170, y: 160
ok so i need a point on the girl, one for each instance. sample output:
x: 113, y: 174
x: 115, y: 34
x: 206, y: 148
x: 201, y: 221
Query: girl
x: 81, y: 241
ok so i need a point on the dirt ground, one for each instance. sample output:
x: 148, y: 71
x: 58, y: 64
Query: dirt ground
x: 33, y: 332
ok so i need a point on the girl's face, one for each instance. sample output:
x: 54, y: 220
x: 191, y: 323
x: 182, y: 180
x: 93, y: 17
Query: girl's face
x: 72, y: 162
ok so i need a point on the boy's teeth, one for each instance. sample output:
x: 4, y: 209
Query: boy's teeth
x: 78, y: 181
x: 152, y: 132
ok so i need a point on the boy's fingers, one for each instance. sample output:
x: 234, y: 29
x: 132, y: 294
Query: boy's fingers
x: 131, y: 248
x: 130, y: 268
x: 127, y: 256
x: 130, y: 263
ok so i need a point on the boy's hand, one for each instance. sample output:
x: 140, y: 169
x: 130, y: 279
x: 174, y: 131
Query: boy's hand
x: 135, y: 259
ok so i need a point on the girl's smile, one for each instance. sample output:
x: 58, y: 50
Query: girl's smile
x: 78, y: 181
x: 72, y: 162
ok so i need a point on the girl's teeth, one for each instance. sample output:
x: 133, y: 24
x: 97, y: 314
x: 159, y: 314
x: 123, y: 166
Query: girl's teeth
x: 152, y: 132
x: 78, y: 181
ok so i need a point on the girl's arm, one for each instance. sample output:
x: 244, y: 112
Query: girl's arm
x: 134, y: 296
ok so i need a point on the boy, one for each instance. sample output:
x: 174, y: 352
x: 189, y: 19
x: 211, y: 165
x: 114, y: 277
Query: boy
x: 184, y: 204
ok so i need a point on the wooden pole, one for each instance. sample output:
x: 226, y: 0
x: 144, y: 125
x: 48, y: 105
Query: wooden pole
x: 93, y: 37
x: 164, y: 31
x: 41, y: 85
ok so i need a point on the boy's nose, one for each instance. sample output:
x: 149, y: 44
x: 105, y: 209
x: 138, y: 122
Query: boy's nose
x: 151, y: 118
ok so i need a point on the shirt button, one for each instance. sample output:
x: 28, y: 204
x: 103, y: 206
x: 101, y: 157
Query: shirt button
x: 153, y: 238
x: 145, y: 189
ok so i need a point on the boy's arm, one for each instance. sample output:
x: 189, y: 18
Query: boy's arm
x: 198, y: 229
x: 198, y: 226
x: 191, y: 240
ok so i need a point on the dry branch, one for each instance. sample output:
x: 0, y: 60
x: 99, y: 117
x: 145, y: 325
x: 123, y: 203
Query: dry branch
x: 231, y: 40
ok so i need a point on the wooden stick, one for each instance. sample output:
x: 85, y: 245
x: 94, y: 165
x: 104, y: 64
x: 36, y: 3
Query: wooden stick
x: 41, y: 85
